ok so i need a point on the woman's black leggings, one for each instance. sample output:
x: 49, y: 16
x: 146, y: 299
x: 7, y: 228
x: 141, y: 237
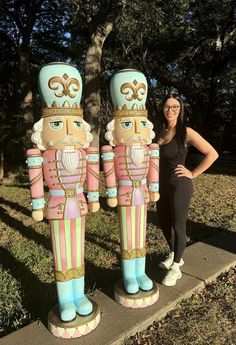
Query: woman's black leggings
x: 175, y: 195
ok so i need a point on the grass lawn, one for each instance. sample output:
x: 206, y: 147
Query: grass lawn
x: 27, y: 291
x: 207, y: 318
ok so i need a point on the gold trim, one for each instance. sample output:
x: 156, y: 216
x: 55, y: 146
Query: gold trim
x: 72, y: 175
x: 128, y: 70
x: 154, y: 165
x: 36, y: 178
x: 135, y: 168
x: 65, y: 82
x: 92, y: 152
x: 35, y: 155
x: 130, y: 113
x: 92, y: 172
x: 135, y: 87
x: 93, y: 163
x: 72, y: 273
x: 105, y: 151
x: 133, y: 253
x: 132, y: 175
x: 130, y: 202
x: 70, y: 193
x: 47, y: 112
x: 109, y: 172
x: 108, y: 161
x: 63, y: 183
x: 36, y: 167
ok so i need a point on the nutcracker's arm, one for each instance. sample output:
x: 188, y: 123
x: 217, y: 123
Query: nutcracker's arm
x: 93, y: 178
x: 35, y: 170
x: 153, y: 172
x: 109, y: 174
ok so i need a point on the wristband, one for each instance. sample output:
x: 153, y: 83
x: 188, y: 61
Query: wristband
x: 38, y: 204
x: 93, y: 196
x: 93, y: 157
x: 34, y: 161
x: 155, y: 153
x: 111, y: 192
x: 154, y: 187
x: 107, y: 156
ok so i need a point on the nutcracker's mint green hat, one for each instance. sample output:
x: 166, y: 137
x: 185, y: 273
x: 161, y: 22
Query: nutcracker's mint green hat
x: 128, y: 89
x: 60, y: 87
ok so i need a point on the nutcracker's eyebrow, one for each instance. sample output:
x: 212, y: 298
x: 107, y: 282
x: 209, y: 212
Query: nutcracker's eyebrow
x: 55, y: 119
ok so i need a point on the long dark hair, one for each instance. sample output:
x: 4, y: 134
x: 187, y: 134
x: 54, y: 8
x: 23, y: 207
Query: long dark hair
x: 180, y: 125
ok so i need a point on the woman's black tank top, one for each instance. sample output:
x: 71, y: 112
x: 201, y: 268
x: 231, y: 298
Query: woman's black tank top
x: 170, y: 157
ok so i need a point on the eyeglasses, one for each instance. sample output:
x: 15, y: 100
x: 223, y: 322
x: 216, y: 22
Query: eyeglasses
x: 172, y: 107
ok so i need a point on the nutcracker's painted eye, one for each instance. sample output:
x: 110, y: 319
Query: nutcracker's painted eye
x: 144, y: 124
x: 78, y: 125
x: 127, y: 124
x: 56, y: 125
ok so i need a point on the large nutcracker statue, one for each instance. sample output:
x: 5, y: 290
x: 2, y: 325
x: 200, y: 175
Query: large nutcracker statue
x: 132, y: 180
x: 65, y: 160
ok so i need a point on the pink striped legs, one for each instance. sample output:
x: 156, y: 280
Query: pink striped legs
x: 133, y: 247
x: 68, y: 253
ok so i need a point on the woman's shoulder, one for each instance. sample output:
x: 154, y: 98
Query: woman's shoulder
x: 193, y: 137
x: 190, y: 132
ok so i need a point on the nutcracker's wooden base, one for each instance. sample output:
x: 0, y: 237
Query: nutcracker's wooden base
x: 140, y: 300
x: 79, y: 327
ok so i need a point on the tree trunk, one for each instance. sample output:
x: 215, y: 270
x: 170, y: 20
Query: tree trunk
x: 92, y: 80
x: 1, y: 165
x: 100, y: 27
x: 26, y: 119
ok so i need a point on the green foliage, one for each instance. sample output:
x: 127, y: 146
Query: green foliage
x: 187, y: 46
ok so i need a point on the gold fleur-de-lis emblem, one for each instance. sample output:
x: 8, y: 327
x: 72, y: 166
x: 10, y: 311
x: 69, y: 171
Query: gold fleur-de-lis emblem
x: 138, y: 90
x: 65, y: 82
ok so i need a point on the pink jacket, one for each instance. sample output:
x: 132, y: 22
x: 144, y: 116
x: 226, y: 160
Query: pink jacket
x: 134, y: 181
x: 65, y: 181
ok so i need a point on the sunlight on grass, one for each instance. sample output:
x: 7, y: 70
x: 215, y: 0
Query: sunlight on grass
x: 208, y: 317
x: 27, y: 269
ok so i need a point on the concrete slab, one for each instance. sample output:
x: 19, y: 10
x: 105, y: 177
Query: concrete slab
x: 203, y: 263
x: 206, y: 261
x: 133, y: 321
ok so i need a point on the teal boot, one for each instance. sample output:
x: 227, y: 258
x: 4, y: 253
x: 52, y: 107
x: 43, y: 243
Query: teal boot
x: 130, y: 282
x: 82, y: 304
x: 144, y: 282
x: 65, y: 298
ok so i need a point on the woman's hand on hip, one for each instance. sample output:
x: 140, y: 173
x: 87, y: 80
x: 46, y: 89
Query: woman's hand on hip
x: 180, y: 170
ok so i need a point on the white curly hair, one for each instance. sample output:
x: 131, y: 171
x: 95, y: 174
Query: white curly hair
x: 38, y: 128
x: 111, y: 127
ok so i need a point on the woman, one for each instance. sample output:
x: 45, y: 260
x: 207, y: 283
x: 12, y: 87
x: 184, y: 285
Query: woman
x: 175, y: 181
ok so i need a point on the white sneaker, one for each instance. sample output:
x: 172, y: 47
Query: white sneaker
x: 172, y: 276
x: 166, y: 264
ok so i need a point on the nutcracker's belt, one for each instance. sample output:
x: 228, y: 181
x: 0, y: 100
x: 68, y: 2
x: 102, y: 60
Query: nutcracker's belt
x: 68, y: 193
x: 134, y: 184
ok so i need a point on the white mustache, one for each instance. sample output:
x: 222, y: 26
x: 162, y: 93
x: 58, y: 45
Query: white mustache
x: 137, y: 139
x: 67, y: 139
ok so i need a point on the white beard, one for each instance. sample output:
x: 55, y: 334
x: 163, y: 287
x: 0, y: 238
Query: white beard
x: 137, y: 152
x: 70, y: 159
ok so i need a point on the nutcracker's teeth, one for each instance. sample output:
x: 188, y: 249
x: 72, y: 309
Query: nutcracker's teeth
x: 69, y: 148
